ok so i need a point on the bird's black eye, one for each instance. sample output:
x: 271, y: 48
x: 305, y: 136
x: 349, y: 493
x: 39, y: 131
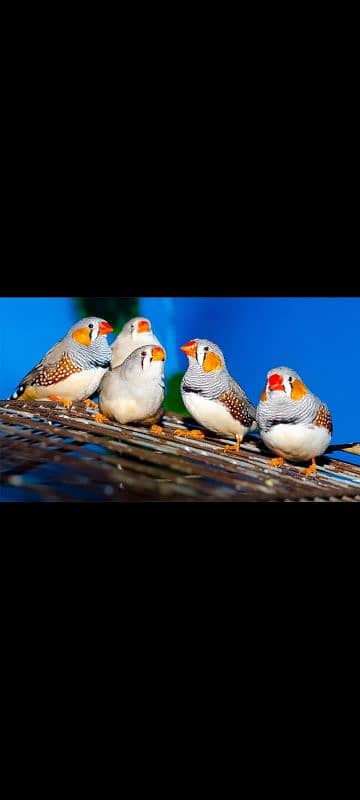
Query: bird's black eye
x: 290, y: 379
x: 206, y: 349
x: 90, y: 326
x: 143, y: 353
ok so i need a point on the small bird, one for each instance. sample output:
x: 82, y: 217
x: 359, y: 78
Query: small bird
x: 135, y: 333
x: 134, y: 392
x: 212, y: 396
x: 73, y: 368
x: 292, y: 421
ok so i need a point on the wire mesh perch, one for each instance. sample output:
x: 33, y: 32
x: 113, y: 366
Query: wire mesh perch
x: 50, y: 454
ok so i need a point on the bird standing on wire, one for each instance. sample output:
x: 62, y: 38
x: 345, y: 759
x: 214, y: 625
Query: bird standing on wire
x: 212, y: 396
x: 134, y: 392
x: 292, y: 421
x: 73, y: 368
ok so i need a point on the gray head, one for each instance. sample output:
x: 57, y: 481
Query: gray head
x: 136, y: 328
x: 146, y: 362
x: 204, y: 356
x: 283, y: 382
x: 90, y: 329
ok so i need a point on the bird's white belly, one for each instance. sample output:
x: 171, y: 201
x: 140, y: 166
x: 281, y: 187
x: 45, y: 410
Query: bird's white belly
x: 212, y: 415
x: 129, y: 408
x: 77, y: 386
x: 297, y: 442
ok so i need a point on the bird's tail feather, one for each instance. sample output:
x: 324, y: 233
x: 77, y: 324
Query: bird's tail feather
x: 354, y: 447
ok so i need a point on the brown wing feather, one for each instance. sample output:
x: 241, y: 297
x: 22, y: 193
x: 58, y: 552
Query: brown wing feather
x: 47, y: 373
x: 323, y: 418
x: 238, y: 408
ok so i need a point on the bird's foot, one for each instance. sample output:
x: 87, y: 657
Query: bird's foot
x: 276, y: 462
x: 157, y: 430
x: 91, y: 404
x: 101, y: 418
x: 195, y: 434
x: 64, y: 402
x: 310, y: 470
x: 233, y: 448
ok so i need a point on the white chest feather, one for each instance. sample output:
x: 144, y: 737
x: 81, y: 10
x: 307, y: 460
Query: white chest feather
x: 212, y: 415
x: 297, y: 442
x: 78, y: 386
x: 129, y: 404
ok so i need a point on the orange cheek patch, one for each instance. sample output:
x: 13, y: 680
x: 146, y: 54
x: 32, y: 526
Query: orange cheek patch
x: 298, y: 389
x: 82, y: 336
x: 212, y: 362
x: 263, y: 397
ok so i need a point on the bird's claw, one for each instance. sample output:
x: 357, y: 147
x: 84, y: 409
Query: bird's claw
x: 62, y: 400
x: 276, y: 462
x: 195, y: 434
x: 309, y: 470
x: 91, y: 403
x: 101, y: 418
x: 157, y: 430
x: 232, y: 448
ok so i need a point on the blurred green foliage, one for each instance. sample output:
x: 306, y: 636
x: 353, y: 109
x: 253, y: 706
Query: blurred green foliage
x: 173, y: 401
x: 116, y: 310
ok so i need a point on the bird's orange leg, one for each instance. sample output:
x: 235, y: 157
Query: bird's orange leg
x: 195, y: 434
x: 234, y: 448
x: 91, y: 404
x: 310, y: 470
x: 101, y: 418
x: 64, y: 402
x: 276, y: 462
x: 157, y: 430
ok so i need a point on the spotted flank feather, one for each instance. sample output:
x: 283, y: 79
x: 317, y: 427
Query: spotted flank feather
x: 239, y: 410
x: 323, y: 418
x: 47, y: 375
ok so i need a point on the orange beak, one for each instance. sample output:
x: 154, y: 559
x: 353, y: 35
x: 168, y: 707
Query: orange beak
x: 189, y: 348
x: 276, y: 383
x: 158, y: 354
x: 143, y: 326
x: 104, y: 327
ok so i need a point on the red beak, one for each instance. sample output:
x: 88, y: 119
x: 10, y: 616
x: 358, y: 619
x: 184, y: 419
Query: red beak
x: 143, y: 326
x: 189, y: 348
x: 158, y: 354
x: 104, y: 327
x: 276, y: 382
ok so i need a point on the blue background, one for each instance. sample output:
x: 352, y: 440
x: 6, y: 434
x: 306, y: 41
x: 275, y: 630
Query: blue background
x: 318, y: 337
